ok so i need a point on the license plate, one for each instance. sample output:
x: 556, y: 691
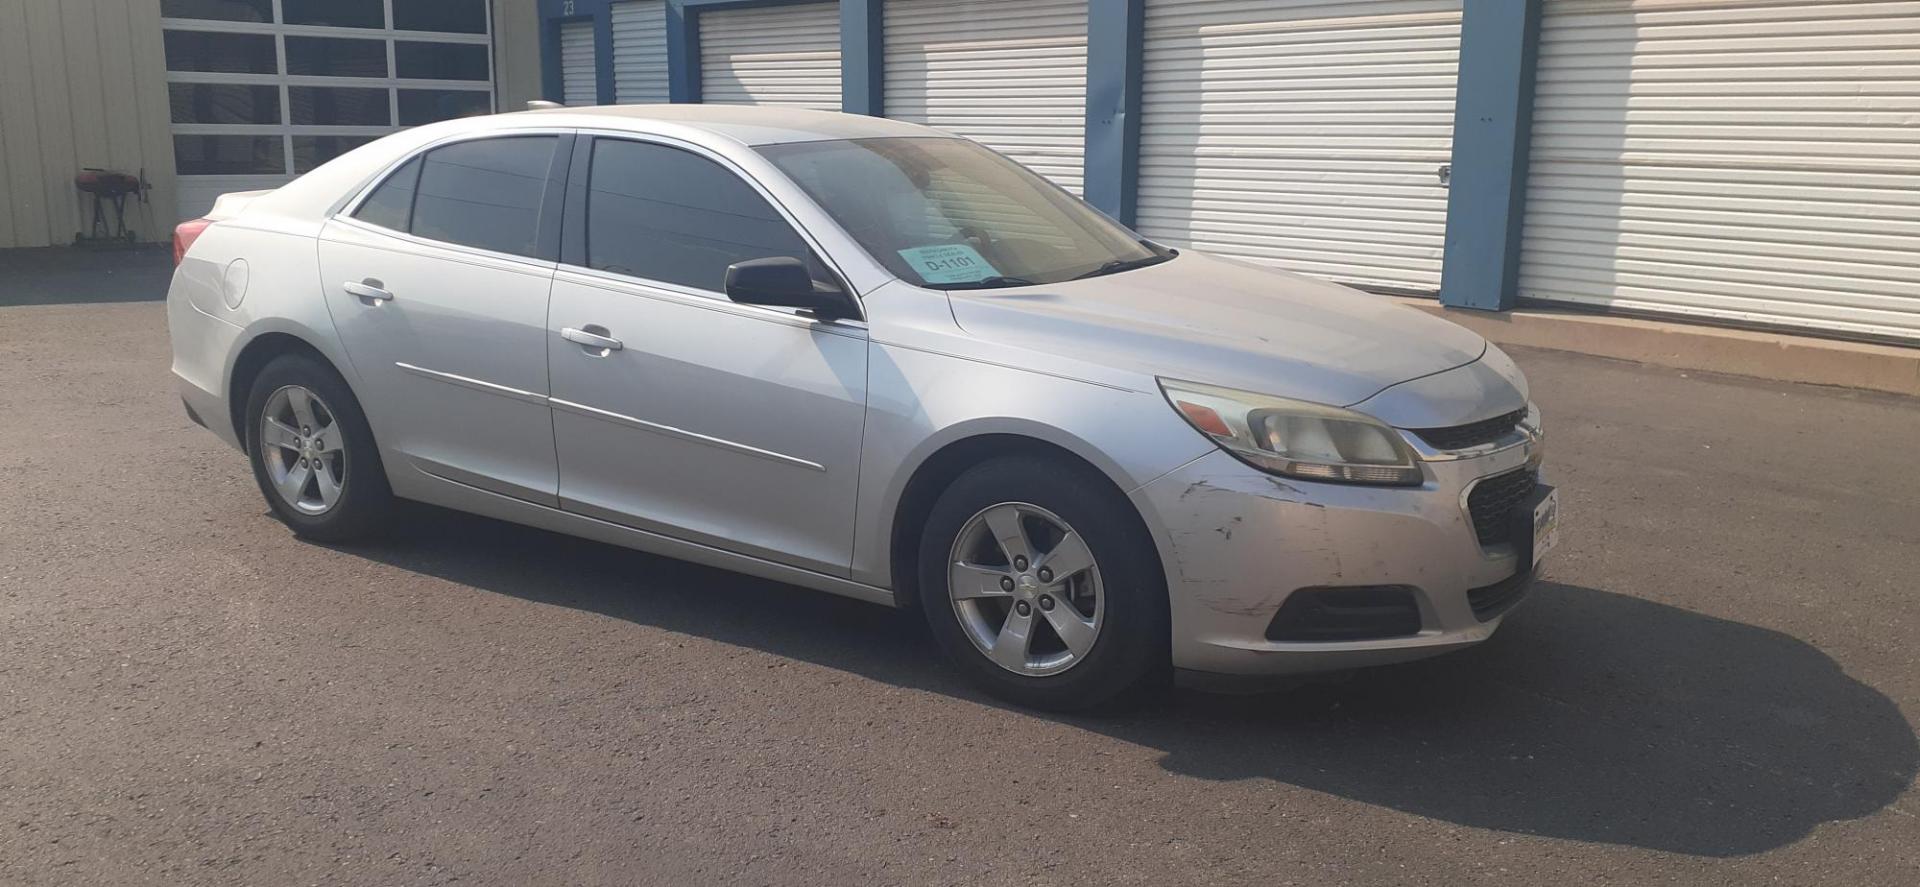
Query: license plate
x: 1546, y: 525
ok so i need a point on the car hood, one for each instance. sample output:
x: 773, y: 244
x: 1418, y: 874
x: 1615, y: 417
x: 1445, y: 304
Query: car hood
x: 1221, y: 322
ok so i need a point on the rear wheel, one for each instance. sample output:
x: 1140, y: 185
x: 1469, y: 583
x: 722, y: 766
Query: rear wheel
x: 313, y: 454
x: 1040, y: 586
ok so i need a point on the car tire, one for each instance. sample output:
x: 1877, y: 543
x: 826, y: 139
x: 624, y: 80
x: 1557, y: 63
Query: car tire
x: 1015, y: 643
x: 322, y: 476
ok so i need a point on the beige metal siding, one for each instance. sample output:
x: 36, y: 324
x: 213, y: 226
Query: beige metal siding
x: 776, y: 55
x: 1010, y: 74
x: 640, y: 52
x: 80, y: 86
x: 578, y: 83
x: 83, y: 83
x: 1306, y: 134
x: 516, y: 54
x: 1749, y: 161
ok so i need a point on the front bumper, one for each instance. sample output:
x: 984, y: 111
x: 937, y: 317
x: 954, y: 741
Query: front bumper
x: 1237, y: 542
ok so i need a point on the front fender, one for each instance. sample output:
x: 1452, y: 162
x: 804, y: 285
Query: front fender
x: 920, y: 402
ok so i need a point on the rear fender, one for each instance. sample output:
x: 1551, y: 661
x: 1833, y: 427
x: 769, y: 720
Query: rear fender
x: 252, y: 282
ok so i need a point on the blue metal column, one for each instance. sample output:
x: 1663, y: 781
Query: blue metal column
x: 550, y: 88
x: 863, y: 69
x: 1115, y: 30
x: 683, y: 53
x: 603, y: 54
x: 1492, y: 126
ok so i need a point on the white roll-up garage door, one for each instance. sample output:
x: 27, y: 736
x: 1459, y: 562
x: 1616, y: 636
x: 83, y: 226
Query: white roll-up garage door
x: 640, y: 52
x: 1746, y: 161
x: 1010, y: 74
x: 577, y: 81
x: 774, y: 55
x: 1306, y: 134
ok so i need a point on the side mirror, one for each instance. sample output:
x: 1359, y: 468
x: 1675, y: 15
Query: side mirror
x: 784, y: 281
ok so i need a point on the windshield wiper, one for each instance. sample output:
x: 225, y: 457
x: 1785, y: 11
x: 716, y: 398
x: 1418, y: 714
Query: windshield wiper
x: 1118, y: 265
x: 985, y: 283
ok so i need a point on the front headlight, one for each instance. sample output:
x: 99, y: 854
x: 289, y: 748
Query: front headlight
x: 1295, y: 438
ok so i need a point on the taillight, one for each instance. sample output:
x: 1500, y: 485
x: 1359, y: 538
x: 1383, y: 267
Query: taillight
x: 184, y: 234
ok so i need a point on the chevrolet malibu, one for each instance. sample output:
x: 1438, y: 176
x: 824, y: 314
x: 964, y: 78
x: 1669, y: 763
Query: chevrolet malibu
x: 877, y: 360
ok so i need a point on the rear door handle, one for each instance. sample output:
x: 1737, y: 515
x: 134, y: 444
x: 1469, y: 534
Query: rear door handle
x: 591, y: 340
x: 368, y: 289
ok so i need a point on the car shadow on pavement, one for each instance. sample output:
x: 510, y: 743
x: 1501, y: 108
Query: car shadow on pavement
x: 1593, y: 715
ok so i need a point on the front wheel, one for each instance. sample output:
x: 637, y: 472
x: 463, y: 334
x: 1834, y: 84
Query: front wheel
x: 1038, y: 583
x: 313, y: 453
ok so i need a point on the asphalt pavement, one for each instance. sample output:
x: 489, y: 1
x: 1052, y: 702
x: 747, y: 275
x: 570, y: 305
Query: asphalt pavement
x: 1716, y: 684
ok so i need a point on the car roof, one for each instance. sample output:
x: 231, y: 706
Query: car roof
x: 746, y: 124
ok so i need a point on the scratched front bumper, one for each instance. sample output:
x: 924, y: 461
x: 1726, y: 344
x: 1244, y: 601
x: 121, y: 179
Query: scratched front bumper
x: 1236, y: 542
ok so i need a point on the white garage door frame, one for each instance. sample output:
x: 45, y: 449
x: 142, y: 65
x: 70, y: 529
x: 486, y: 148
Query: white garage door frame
x: 1754, y: 162
x: 579, y: 68
x: 197, y: 192
x: 785, y: 55
x: 1010, y: 74
x: 1305, y: 134
x: 639, y: 51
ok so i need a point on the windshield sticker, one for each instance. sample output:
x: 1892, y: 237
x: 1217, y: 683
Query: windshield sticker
x: 949, y: 263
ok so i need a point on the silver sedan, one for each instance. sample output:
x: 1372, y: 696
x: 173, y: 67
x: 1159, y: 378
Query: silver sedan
x: 872, y: 359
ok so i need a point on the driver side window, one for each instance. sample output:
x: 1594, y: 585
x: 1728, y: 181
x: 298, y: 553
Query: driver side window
x: 665, y: 214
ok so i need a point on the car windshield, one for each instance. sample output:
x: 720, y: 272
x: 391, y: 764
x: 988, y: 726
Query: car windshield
x: 950, y: 214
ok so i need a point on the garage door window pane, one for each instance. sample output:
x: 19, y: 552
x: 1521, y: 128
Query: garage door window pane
x: 222, y: 10
x: 485, y: 194
x: 339, y: 13
x: 222, y: 53
x: 668, y: 215
x: 336, y: 57
x: 391, y: 204
x: 228, y: 155
x: 440, y: 61
x: 223, y: 103
x: 419, y: 106
x: 338, y: 106
x: 460, y: 16
x: 311, y: 151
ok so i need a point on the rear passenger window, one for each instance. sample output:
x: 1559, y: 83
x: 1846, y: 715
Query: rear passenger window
x: 670, y: 215
x: 484, y: 194
x: 391, y: 204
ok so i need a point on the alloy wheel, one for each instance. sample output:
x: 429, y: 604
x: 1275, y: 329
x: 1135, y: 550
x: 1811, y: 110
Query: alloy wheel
x: 304, y: 448
x: 1026, y: 589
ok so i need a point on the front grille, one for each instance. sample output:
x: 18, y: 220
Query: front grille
x: 1489, y: 601
x: 1493, y: 500
x: 1360, y: 613
x: 1472, y: 434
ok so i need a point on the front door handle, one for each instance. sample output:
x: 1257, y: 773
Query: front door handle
x: 368, y: 289
x: 588, y: 339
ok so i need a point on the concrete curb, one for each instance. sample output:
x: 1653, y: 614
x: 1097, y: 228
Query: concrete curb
x: 1775, y: 356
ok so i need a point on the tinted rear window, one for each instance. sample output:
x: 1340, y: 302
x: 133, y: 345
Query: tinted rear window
x: 484, y: 194
x: 391, y: 204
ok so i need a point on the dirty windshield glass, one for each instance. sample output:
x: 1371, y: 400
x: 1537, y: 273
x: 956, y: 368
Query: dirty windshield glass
x: 949, y: 214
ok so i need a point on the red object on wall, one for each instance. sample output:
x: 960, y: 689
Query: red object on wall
x: 106, y: 182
